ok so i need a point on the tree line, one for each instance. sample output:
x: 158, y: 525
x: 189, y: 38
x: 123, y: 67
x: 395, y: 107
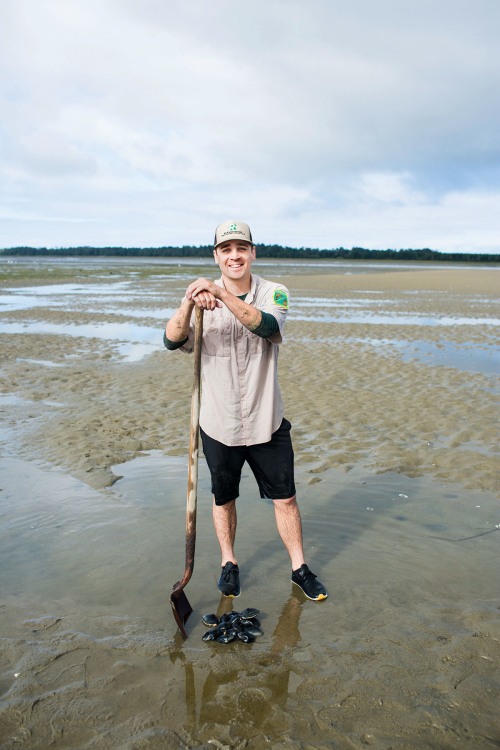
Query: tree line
x: 263, y: 251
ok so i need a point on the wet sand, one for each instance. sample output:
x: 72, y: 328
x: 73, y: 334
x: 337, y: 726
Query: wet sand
x: 397, y: 474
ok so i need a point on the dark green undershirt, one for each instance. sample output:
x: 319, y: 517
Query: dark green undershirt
x: 267, y: 327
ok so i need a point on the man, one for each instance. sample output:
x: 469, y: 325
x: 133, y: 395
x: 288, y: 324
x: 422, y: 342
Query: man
x: 242, y: 414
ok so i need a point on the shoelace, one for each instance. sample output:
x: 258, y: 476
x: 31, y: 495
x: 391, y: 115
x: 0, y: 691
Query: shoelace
x: 307, y: 574
x: 227, y: 574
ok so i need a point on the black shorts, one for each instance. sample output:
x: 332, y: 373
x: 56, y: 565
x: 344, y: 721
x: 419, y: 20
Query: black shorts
x: 271, y: 464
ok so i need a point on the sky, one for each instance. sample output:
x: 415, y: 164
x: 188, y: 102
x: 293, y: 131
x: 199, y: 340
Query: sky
x: 142, y: 123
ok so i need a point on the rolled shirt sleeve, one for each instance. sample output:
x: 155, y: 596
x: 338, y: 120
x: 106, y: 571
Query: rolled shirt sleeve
x: 274, y: 299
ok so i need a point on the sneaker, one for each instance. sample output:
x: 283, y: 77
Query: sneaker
x: 229, y: 581
x: 305, y: 580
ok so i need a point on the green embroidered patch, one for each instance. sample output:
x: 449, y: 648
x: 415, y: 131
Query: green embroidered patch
x: 281, y: 298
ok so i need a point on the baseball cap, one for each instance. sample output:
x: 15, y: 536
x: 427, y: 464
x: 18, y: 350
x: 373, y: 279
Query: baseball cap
x: 232, y: 230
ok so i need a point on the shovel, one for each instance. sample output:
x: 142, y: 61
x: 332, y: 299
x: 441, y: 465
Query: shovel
x: 181, y: 607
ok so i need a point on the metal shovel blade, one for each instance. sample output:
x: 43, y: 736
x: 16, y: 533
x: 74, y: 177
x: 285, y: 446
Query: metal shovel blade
x: 181, y: 609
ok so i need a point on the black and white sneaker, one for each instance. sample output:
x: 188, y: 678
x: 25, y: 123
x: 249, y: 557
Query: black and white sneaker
x: 229, y: 581
x: 307, y: 581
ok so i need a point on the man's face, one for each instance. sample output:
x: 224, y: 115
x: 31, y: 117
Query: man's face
x: 235, y: 259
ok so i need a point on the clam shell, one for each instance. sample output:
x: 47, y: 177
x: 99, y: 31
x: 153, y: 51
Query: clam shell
x: 249, y: 613
x: 253, y: 623
x: 227, y: 637
x: 210, y: 620
x: 254, y: 631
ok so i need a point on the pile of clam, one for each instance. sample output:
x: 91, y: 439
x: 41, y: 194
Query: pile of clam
x: 243, y: 626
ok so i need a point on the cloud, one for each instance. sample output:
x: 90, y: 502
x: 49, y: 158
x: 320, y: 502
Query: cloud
x: 118, y: 112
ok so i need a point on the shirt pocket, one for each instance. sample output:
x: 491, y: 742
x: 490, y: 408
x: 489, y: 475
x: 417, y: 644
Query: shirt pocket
x: 216, y: 335
x: 253, y: 344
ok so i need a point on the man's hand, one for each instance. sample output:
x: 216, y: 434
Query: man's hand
x: 204, y: 293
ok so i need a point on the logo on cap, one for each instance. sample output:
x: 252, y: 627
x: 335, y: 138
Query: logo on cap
x: 232, y: 230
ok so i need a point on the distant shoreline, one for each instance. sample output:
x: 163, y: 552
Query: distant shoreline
x: 264, y: 251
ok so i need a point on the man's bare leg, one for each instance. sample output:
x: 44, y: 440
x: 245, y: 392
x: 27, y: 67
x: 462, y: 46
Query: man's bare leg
x: 225, y: 528
x: 290, y: 529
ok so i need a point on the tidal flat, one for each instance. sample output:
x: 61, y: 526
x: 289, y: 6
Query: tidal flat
x: 390, y: 379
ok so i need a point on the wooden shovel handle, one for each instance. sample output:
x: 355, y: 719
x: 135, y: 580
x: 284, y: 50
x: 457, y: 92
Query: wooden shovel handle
x: 192, y: 483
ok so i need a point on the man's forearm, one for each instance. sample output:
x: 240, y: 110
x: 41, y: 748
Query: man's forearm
x: 177, y: 328
x: 248, y: 315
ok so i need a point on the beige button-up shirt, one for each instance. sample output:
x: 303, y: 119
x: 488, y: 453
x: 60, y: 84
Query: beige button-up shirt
x: 241, y: 401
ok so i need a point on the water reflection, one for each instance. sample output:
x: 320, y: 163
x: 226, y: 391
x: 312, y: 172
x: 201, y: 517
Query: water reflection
x: 242, y: 693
